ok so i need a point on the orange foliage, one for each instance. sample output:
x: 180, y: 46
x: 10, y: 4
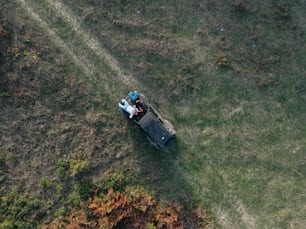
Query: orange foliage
x: 112, y: 209
x: 134, y: 209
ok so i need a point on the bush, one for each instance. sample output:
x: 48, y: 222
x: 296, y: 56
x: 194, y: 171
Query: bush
x: 78, y: 167
x: 131, y: 209
x: 62, y: 166
x: 46, y: 183
x: 19, y: 211
x: 74, y: 199
x: 116, y: 181
x: 85, y: 189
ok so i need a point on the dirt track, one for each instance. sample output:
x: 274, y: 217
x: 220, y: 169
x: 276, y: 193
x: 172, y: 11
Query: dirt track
x: 92, y: 45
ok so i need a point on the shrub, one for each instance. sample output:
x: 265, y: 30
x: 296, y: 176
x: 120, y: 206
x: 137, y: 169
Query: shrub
x: 116, y: 181
x: 18, y: 211
x: 62, y: 166
x: 132, y: 209
x: 85, y: 189
x: 46, y: 183
x: 78, y: 167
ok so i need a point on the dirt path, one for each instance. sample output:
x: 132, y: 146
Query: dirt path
x: 89, y: 69
x: 86, y: 66
x: 92, y: 43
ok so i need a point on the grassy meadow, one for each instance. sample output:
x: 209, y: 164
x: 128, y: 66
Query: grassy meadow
x: 229, y: 75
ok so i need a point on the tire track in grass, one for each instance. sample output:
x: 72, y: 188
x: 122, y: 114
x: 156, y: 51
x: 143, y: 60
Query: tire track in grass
x: 121, y: 76
x: 87, y: 67
x: 92, y: 43
x: 91, y: 71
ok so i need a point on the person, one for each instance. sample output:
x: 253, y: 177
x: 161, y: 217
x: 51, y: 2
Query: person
x: 124, y: 105
x: 139, y: 109
x: 133, y: 96
x: 139, y: 102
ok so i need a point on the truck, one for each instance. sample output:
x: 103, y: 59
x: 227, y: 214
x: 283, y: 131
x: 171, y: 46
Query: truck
x: 159, y: 131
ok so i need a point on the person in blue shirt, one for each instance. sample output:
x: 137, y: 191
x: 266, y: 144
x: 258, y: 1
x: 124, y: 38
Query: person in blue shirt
x: 133, y: 96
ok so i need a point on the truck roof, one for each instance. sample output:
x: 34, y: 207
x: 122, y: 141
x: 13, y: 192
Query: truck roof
x: 154, y: 129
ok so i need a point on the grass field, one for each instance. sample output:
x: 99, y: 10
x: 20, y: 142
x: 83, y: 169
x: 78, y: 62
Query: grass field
x: 230, y: 76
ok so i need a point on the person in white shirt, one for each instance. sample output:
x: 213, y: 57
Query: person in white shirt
x: 124, y: 105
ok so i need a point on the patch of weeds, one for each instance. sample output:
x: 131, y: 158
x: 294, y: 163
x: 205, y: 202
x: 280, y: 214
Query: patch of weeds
x: 115, y: 181
x: 4, y: 94
x: 62, y: 167
x: 85, y: 189
x: 282, y: 11
x: 59, y: 189
x: 262, y: 63
x: 300, y: 88
x: 300, y: 169
x: 201, y: 32
x: 133, y: 209
x: 46, y: 183
x: 27, y: 37
x: 11, y: 158
x: 18, y: 211
x: 268, y: 63
x: 267, y: 81
x: 129, y: 25
x: 74, y: 199
x: 62, y: 212
x: 181, y: 84
x: 151, y: 226
x: 77, y: 167
x: 240, y: 6
x: 30, y: 58
x: 222, y: 59
x: 190, y: 77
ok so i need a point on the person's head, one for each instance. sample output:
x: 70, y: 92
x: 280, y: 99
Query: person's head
x: 122, y: 102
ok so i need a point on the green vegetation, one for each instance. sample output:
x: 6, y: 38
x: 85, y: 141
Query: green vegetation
x: 62, y: 167
x: 46, y: 183
x: 19, y: 211
x: 132, y: 209
x: 2, y: 171
x: 78, y: 167
x: 229, y: 75
x: 85, y: 189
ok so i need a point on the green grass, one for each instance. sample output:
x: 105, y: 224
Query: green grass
x: 240, y: 128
